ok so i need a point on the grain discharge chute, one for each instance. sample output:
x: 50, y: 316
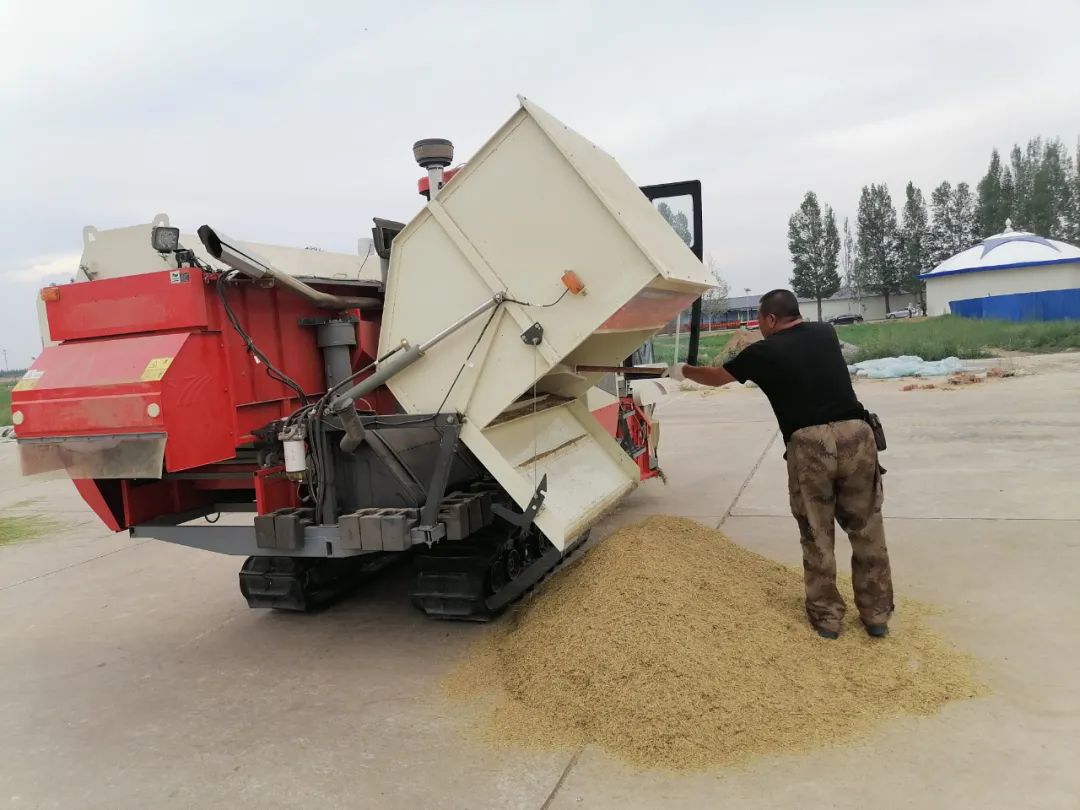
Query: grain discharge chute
x: 442, y: 393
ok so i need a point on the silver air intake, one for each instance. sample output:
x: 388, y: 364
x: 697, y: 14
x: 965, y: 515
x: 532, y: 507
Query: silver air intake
x: 243, y: 260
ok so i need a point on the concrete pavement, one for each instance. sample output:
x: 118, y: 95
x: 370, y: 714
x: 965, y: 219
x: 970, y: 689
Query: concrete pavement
x: 132, y: 674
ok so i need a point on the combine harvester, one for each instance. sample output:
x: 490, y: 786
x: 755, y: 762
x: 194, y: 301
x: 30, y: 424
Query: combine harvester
x: 430, y: 395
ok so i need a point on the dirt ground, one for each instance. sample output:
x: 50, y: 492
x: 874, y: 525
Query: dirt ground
x: 132, y: 674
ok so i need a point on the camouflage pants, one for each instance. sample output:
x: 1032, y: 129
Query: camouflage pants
x: 833, y: 476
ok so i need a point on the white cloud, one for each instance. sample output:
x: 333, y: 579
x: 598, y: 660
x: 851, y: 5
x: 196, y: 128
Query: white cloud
x: 293, y: 126
x: 57, y: 267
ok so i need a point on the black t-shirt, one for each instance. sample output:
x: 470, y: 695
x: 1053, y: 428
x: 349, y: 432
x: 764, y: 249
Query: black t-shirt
x: 803, y: 373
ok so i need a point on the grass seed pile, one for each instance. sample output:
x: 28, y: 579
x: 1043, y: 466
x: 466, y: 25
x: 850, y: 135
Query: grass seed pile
x: 670, y: 646
x: 739, y: 340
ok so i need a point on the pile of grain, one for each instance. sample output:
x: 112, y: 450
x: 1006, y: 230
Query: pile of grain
x: 670, y: 646
x: 736, y: 343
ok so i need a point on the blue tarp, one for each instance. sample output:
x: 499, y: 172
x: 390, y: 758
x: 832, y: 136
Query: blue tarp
x: 1052, y: 305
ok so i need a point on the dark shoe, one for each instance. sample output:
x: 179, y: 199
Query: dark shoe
x: 877, y: 630
x: 832, y: 635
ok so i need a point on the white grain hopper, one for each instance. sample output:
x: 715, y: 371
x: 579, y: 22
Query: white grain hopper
x: 536, y: 201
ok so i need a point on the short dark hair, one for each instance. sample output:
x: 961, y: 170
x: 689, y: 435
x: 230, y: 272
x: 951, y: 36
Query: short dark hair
x: 781, y: 303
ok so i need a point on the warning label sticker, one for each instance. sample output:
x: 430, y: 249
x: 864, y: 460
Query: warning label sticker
x: 156, y: 369
x: 29, y: 380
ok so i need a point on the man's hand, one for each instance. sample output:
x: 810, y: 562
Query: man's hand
x: 676, y: 372
x: 702, y: 375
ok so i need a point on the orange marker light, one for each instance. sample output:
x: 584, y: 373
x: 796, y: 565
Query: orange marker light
x: 573, y: 282
x: 50, y: 293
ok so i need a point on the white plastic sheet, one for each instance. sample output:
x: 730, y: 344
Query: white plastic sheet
x: 885, y: 368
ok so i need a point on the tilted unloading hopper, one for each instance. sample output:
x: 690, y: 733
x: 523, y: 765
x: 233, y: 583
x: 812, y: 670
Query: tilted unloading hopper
x: 537, y: 200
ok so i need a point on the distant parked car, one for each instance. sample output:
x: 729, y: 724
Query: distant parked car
x: 899, y: 313
x: 847, y: 317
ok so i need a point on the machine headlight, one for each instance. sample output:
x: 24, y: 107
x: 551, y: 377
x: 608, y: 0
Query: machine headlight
x: 165, y: 239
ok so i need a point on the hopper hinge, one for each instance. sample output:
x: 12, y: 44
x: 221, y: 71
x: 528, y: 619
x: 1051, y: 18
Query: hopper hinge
x: 524, y: 519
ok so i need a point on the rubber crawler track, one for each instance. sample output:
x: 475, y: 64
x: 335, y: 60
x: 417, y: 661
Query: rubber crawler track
x: 451, y: 581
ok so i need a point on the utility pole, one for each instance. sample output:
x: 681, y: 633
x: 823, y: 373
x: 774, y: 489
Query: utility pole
x: 678, y: 327
x: 5, y: 360
x: 747, y: 291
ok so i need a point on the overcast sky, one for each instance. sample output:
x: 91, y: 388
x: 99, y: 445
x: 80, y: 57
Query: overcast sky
x: 292, y: 123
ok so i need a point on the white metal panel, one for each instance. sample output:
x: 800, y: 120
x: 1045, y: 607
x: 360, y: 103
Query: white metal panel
x: 531, y: 217
x: 587, y: 472
x: 598, y: 398
x: 653, y: 235
x: 513, y: 220
x: 117, y: 252
x: 536, y: 200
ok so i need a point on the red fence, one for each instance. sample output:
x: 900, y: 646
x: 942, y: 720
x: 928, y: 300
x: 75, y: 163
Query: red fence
x: 718, y: 326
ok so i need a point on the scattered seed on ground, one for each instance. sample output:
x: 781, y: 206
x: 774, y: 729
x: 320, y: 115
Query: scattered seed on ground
x: 965, y: 378
x: 670, y: 646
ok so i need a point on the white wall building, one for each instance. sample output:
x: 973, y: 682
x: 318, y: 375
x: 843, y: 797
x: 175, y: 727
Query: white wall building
x: 1013, y: 275
x: 871, y: 307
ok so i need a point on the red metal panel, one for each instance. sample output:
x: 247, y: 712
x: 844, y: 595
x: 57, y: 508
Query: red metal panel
x: 96, y: 387
x: 638, y: 426
x: 649, y: 309
x: 263, y: 324
x: 271, y: 318
x: 423, y: 184
x: 149, y: 302
x: 274, y: 491
x: 367, y: 339
x: 144, y: 354
x: 216, y: 484
x: 196, y: 411
x: 608, y: 417
x: 299, y: 351
x: 145, y: 501
x: 172, y: 383
x: 94, y: 493
x: 89, y: 416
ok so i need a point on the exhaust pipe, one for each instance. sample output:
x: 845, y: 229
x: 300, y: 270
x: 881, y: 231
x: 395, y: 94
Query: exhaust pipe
x: 243, y: 260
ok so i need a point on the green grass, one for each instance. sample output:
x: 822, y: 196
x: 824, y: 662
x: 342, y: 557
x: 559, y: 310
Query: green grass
x: 710, y: 345
x: 18, y: 529
x: 5, y: 403
x: 950, y: 336
x: 929, y: 338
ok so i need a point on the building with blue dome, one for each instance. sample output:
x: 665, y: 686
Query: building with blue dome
x: 1012, y: 276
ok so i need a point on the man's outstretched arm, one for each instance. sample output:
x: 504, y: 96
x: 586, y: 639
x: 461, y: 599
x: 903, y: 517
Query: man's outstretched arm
x: 703, y: 375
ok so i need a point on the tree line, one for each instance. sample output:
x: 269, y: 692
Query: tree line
x: 1038, y: 190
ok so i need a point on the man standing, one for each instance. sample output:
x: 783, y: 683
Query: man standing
x: 832, y: 457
